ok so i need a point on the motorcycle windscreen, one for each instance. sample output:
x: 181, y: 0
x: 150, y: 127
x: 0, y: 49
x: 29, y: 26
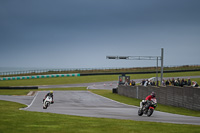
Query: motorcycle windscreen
x: 154, y: 100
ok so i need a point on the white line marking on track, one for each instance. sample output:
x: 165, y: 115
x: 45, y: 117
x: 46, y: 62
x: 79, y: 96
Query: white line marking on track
x: 30, y: 104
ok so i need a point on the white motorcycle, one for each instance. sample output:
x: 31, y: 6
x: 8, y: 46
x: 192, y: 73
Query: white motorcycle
x: 47, y: 102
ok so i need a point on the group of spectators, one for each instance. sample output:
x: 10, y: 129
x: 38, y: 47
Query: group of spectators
x: 171, y: 82
x: 179, y: 82
x: 131, y: 83
x: 168, y: 82
x: 148, y: 82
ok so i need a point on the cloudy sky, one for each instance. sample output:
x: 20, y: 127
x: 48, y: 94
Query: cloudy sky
x: 81, y: 33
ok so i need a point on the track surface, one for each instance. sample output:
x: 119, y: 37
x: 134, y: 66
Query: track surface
x: 85, y: 103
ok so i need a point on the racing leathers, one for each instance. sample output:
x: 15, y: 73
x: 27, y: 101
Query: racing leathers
x: 49, y: 94
x: 148, y: 101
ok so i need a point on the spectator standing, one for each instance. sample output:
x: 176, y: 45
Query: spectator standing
x: 189, y: 82
x: 185, y: 82
x: 176, y: 83
x: 179, y: 83
x: 163, y: 82
x: 126, y: 83
x: 146, y: 83
x: 153, y: 83
x: 182, y: 82
x: 133, y: 83
x: 194, y: 84
x: 167, y: 82
x: 143, y: 81
x: 172, y: 82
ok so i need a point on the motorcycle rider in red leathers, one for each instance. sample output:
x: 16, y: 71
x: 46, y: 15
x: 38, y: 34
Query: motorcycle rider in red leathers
x: 148, y: 99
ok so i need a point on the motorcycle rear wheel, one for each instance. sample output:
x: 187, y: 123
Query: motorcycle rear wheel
x: 140, y: 112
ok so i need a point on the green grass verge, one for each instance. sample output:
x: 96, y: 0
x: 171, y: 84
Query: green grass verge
x: 14, y: 120
x: 25, y: 92
x: 86, y: 79
x: 135, y: 102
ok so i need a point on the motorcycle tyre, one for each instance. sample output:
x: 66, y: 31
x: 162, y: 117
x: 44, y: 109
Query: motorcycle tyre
x: 45, y: 107
x: 150, y: 112
x: 140, y: 112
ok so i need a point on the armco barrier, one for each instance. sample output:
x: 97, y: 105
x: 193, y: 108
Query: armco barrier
x: 187, y: 97
x: 19, y: 87
x: 40, y: 76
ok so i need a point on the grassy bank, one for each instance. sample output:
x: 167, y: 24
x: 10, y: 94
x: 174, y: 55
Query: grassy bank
x: 14, y: 120
x: 25, y: 92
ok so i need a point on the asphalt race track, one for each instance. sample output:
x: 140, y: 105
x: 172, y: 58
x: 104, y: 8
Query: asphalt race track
x: 85, y: 103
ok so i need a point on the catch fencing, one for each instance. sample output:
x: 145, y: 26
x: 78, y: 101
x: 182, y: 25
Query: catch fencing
x: 186, y: 97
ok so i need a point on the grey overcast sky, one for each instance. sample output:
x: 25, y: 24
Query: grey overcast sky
x: 81, y: 33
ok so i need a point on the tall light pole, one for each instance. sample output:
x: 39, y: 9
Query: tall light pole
x: 143, y: 58
x: 161, y: 76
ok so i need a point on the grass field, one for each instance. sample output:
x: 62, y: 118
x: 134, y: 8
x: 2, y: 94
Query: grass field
x: 14, y: 120
x: 86, y: 79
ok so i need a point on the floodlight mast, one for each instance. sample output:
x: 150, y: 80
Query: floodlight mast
x: 162, y: 53
x: 143, y: 58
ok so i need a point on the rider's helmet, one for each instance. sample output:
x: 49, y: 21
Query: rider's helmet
x: 153, y: 94
x: 51, y: 92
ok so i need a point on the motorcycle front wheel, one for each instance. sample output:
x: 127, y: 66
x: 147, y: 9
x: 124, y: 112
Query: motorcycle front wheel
x: 150, y: 112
